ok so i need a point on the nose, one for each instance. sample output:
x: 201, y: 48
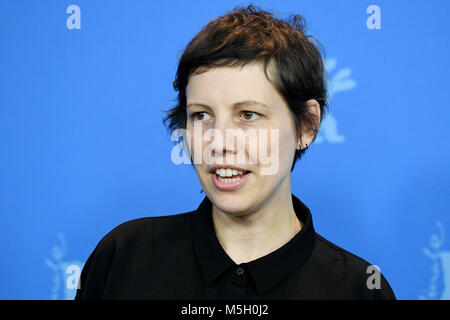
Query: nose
x: 223, y: 143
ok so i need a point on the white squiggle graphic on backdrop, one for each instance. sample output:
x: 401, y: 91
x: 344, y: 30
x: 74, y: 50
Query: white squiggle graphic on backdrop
x: 340, y: 81
x: 64, y: 278
x: 440, y: 265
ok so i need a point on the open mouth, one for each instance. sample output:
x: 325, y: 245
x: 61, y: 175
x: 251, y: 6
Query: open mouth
x: 230, y: 175
x: 233, y: 178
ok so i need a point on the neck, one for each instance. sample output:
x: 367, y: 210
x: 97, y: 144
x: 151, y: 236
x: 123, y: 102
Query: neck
x: 257, y: 233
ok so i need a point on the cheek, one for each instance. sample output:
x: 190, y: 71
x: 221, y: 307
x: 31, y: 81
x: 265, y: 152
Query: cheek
x: 276, y: 149
x: 286, y: 147
x: 188, y: 140
x: 287, y: 141
x: 194, y: 140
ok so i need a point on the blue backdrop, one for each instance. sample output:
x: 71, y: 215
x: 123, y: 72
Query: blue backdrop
x: 83, y: 148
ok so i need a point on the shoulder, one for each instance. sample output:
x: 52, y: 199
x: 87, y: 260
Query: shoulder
x: 330, y: 251
x: 126, y: 244
x: 354, y: 275
x: 148, y: 230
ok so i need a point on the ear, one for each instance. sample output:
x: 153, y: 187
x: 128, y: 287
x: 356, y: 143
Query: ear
x: 308, y: 135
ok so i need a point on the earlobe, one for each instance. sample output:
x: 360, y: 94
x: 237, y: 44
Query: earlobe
x: 299, y: 147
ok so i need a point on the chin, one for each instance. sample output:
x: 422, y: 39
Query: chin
x: 235, y: 203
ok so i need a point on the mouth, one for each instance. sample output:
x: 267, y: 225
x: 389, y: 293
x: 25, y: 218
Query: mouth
x: 229, y: 178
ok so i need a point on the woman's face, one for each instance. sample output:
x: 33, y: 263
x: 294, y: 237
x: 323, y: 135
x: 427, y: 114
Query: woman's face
x: 261, y: 140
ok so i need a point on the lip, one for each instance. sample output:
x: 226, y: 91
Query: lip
x: 223, y: 186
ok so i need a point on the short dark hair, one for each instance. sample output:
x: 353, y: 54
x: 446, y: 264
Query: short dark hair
x: 246, y: 35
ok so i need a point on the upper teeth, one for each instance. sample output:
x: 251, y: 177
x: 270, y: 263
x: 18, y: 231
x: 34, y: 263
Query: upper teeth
x: 227, y: 172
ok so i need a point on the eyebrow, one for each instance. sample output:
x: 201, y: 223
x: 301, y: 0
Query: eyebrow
x: 235, y: 105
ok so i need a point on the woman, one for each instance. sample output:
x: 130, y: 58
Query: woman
x: 261, y: 79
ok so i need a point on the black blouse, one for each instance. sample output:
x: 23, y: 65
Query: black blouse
x: 180, y: 257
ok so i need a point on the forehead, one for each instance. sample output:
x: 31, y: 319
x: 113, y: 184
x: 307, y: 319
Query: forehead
x: 227, y: 84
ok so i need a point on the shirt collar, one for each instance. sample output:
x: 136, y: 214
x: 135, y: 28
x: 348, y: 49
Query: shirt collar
x: 266, y: 271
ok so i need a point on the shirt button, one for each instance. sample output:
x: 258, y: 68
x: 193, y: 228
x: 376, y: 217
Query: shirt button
x: 240, y: 271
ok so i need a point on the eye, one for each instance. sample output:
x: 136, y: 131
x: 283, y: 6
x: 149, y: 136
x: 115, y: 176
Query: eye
x: 200, y: 116
x: 249, y: 115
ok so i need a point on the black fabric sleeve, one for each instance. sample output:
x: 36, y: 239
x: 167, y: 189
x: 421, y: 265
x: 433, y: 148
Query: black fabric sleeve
x: 372, y: 289
x: 94, y: 276
x: 385, y: 292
